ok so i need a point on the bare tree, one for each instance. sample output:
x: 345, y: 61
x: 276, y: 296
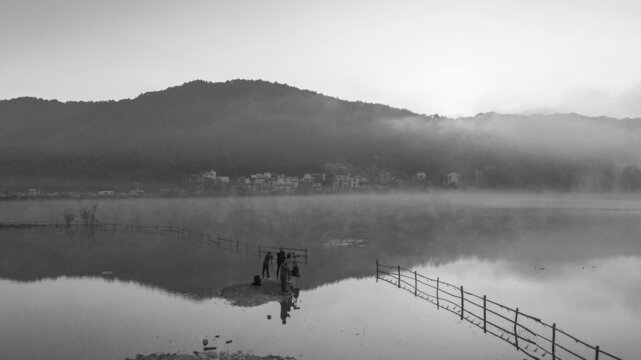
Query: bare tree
x: 94, y: 208
x: 88, y: 215
x: 68, y: 215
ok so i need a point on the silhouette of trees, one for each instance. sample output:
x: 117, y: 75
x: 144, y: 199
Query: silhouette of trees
x: 631, y: 178
x: 88, y: 215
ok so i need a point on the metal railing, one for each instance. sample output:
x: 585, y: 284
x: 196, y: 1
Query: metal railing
x: 527, y: 333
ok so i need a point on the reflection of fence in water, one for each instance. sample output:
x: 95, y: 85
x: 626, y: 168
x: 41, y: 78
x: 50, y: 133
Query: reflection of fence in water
x: 239, y: 247
x: 523, y: 331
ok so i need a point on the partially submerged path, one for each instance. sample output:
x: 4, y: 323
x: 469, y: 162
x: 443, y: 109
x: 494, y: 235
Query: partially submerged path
x: 238, y: 247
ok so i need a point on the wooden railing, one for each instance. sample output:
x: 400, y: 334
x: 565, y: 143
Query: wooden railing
x: 239, y: 247
x: 527, y: 333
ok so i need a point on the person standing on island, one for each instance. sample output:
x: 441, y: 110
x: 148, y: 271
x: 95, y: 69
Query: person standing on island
x: 266, y: 263
x: 295, y: 275
x: 289, y: 266
x: 284, y: 273
x: 280, y: 259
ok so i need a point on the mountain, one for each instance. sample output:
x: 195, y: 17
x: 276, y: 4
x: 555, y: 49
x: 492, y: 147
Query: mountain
x: 242, y: 126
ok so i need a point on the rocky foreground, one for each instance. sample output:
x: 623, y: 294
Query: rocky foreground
x: 210, y: 355
x: 240, y: 295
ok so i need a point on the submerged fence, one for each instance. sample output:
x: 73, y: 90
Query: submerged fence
x: 528, y: 334
x: 239, y: 247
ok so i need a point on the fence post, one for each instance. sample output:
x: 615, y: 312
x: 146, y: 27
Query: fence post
x: 246, y: 249
x: 516, y: 336
x: 554, y: 341
x: 438, y: 282
x: 415, y: 283
x: 484, y: 314
x: 376, y: 269
x: 462, y: 303
x: 596, y: 354
x: 259, y: 250
x: 399, y: 276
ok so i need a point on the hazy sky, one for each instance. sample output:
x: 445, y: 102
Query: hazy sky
x: 454, y: 57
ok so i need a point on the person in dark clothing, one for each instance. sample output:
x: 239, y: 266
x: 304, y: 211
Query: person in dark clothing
x: 266, y: 263
x: 295, y: 275
x: 284, y: 273
x: 289, y: 265
x: 280, y: 259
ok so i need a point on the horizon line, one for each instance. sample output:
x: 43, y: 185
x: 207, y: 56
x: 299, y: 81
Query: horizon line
x: 151, y: 92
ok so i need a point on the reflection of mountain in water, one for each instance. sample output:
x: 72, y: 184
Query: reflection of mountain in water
x: 400, y: 235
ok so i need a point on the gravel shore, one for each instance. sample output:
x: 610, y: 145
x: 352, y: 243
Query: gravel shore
x: 240, y: 295
x: 210, y: 355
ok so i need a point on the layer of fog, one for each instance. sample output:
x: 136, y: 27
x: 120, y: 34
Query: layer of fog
x: 557, y: 135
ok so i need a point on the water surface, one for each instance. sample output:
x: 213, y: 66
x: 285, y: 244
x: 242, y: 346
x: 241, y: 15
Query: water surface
x: 575, y: 262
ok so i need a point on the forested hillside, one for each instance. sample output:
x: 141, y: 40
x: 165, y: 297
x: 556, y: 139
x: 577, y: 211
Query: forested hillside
x: 242, y: 126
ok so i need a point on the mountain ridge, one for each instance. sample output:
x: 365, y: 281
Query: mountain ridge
x: 205, y: 82
x: 244, y: 126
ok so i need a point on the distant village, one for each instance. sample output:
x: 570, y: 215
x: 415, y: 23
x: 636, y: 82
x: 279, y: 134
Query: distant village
x: 336, y: 178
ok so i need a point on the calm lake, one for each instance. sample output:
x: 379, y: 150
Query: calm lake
x: 573, y: 260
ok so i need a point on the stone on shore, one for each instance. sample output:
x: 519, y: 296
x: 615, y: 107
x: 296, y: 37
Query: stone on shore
x: 211, y: 355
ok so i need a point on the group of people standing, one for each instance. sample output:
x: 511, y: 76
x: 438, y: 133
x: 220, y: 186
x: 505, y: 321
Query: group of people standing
x: 286, y: 269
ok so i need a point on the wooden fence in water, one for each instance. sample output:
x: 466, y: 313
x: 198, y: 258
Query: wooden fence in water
x: 528, y: 334
x: 239, y: 247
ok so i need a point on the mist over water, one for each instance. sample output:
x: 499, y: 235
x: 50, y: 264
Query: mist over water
x: 570, y: 259
x: 490, y: 146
